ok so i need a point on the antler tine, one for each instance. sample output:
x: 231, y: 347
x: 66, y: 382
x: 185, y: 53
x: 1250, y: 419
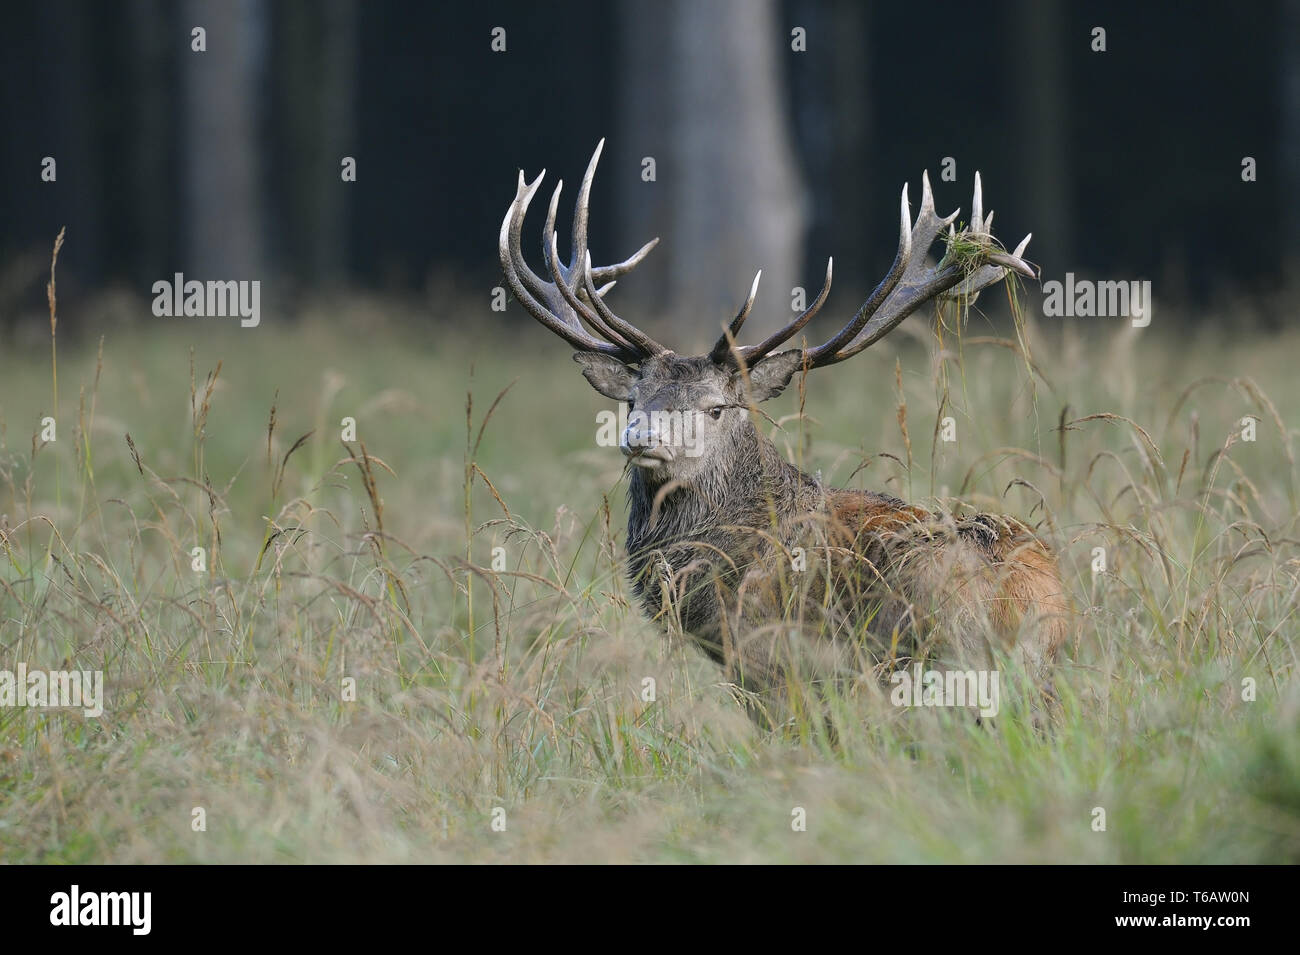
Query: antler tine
x: 927, y: 195
x: 548, y: 227
x: 626, y: 330
x: 562, y: 274
x: 977, y: 207
x: 576, y: 305
x: 1016, y: 261
x: 524, y: 193
x: 559, y: 305
x: 578, y: 244
x: 722, y: 348
x: 752, y: 354
x: 567, y: 282
x: 605, y: 273
x: 527, y: 287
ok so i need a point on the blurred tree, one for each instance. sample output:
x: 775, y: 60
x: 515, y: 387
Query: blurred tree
x: 315, y: 111
x: 221, y: 99
x: 68, y: 123
x: 1289, y: 146
x: 701, y: 93
x: 831, y: 104
x: 154, y: 34
x: 205, y: 162
x: 1040, y: 92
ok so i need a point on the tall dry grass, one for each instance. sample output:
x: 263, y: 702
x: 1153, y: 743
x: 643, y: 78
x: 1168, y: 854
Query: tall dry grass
x: 520, y: 688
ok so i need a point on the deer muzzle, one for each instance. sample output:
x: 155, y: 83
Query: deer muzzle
x: 643, y: 445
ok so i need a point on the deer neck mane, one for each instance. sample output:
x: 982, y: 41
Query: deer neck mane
x: 741, y: 485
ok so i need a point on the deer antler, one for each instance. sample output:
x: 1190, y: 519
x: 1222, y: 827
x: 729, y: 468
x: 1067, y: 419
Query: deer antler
x: 909, y: 284
x: 576, y: 291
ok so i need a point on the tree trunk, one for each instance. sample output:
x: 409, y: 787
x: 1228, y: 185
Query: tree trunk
x: 1044, y: 114
x: 702, y: 94
x: 1288, y: 176
x: 222, y: 96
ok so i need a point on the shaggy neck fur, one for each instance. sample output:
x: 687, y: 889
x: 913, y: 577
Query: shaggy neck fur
x: 744, y: 477
x: 745, y: 484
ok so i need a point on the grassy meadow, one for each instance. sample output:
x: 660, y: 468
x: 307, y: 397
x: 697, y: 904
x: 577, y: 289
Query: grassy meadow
x: 506, y: 686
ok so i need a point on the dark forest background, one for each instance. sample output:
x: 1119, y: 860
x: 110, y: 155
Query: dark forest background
x: 226, y: 163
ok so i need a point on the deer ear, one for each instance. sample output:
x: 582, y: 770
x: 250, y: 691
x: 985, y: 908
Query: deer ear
x: 609, y: 376
x: 770, y: 376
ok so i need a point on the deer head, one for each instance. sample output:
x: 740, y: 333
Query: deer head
x: 686, y: 411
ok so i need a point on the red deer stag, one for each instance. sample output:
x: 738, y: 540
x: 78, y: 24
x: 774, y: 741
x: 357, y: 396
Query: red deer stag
x: 775, y: 576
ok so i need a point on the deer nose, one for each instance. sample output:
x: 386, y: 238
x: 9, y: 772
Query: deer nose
x: 646, y: 438
x: 638, y: 438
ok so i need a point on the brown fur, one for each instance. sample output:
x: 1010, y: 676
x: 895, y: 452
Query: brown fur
x: 1001, y: 570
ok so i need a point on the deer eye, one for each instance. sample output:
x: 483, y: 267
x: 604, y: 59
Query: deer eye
x: 716, y: 412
